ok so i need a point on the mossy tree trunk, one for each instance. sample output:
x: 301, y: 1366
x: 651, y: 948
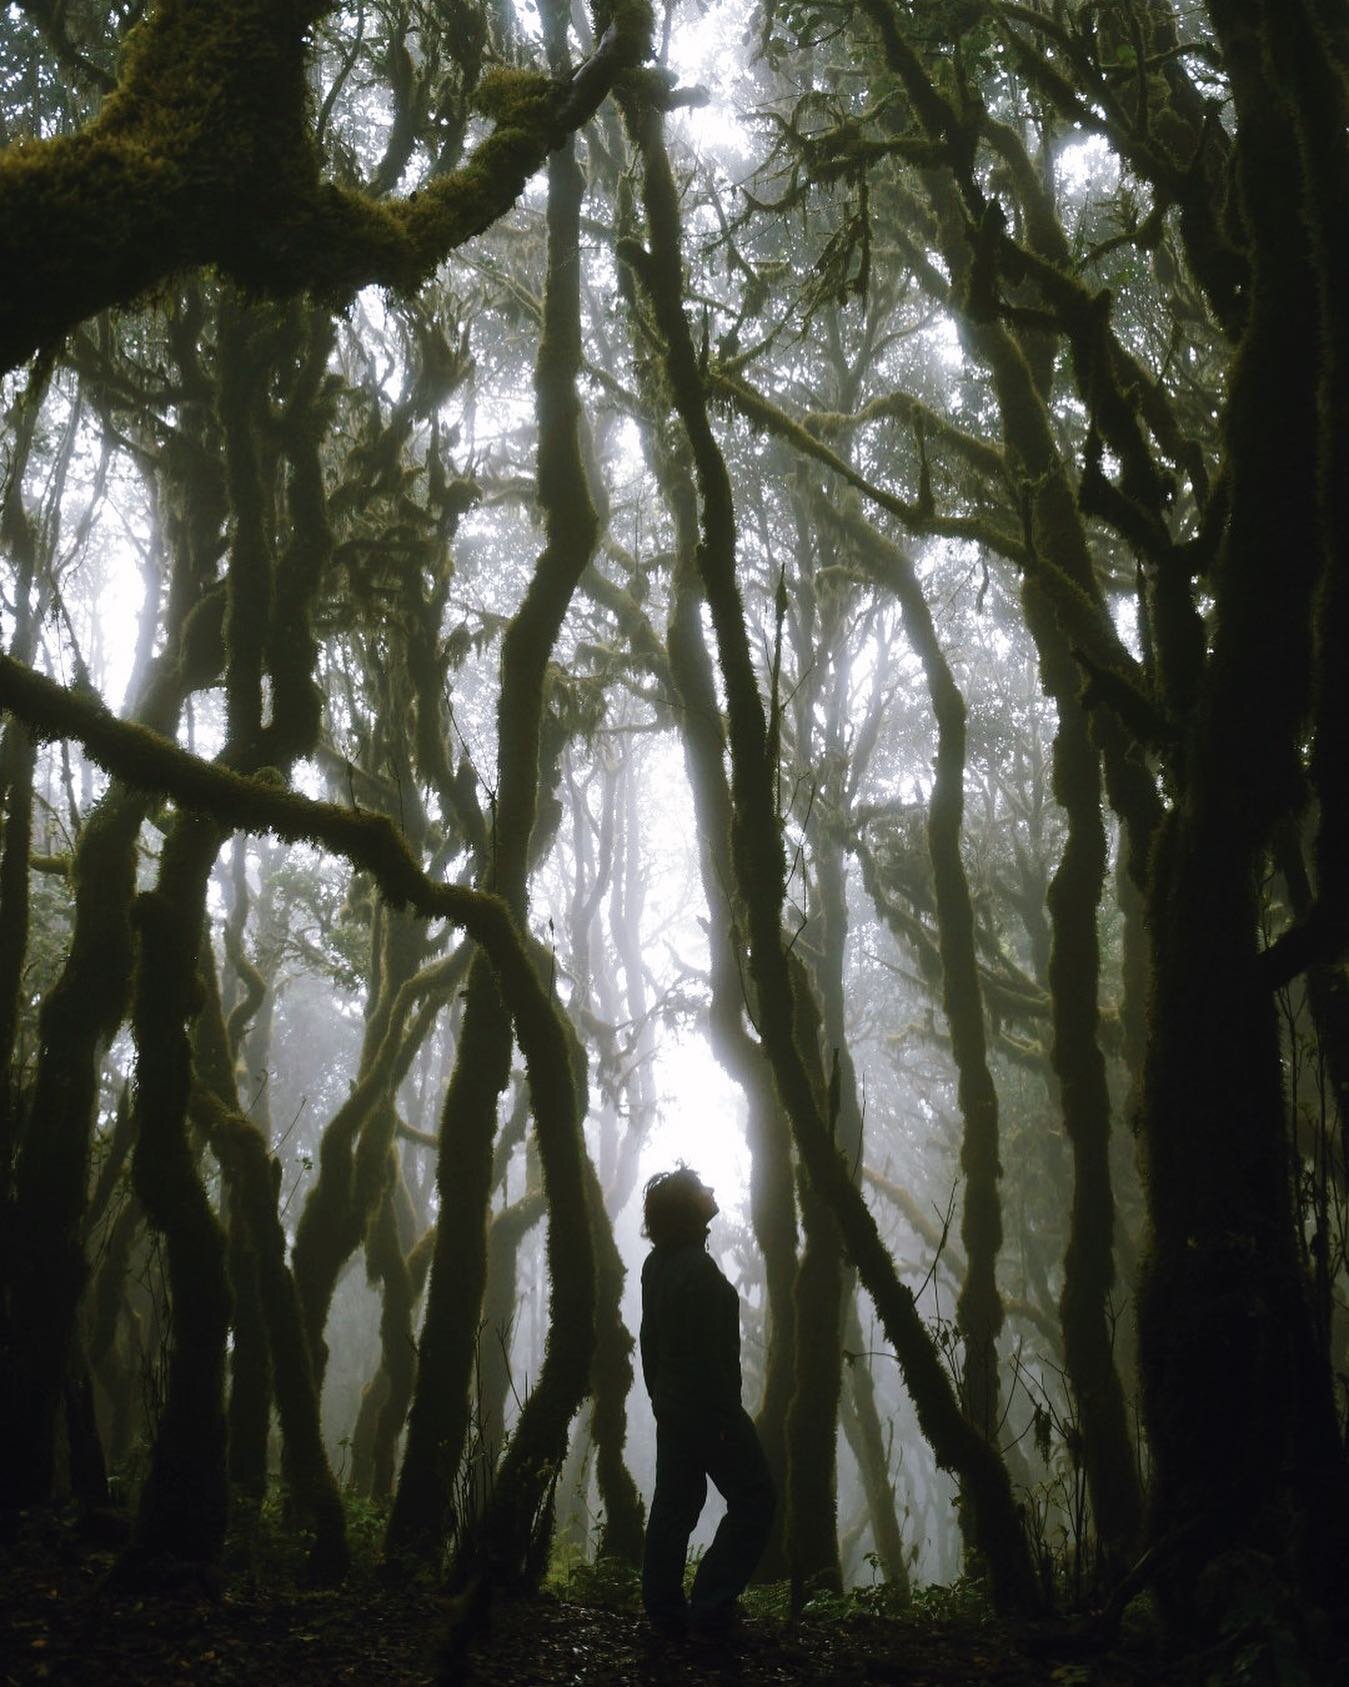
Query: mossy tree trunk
x: 85, y: 1006
x: 185, y: 1500
x: 252, y: 1179
x: 1223, y: 1295
x: 504, y: 1548
x: 866, y: 1432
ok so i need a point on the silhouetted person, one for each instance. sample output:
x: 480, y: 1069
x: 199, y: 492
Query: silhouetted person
x: 691, y: 1363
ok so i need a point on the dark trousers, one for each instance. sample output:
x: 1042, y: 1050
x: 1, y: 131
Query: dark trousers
x: 689, y: 1449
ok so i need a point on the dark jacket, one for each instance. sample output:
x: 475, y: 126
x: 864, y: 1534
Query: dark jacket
x: 690, y: 1333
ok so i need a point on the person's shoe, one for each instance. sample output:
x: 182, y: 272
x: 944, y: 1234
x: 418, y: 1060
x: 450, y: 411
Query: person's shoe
x: 673, y: 1626
x: 718, y: 1626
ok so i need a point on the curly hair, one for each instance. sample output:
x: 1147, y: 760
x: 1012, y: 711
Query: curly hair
x: 671, y: 1207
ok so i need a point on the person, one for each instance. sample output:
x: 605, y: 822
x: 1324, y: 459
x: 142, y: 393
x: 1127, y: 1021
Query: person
x: 690, y: 1345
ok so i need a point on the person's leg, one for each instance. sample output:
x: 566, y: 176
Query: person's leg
x: 681, y: 1488
x: 736, y: 1463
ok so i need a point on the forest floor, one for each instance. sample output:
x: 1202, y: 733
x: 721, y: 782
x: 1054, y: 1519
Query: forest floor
x: 64, y: 1619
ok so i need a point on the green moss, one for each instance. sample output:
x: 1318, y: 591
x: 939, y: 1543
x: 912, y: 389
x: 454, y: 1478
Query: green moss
x: 202, y: 154
x: 515, y: 99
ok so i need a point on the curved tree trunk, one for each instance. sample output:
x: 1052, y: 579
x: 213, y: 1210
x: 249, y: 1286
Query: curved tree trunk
x: 184, y: 1502
x: 865, y: 1431
x: 437, y: 1423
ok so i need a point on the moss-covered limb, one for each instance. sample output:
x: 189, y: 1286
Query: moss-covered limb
x: 759, y: 870
x: 249, y: 1409
x: 1222, y: 1290
x: 1056, y: 539
x: 381, y: 1417
x: 865, y: 1431
x: 1062, y: 599
x: 1000, y: 536
x: 687, y: 666
x: 184, y: 1502
x: 507, y: 1549
x: 268, y: 1350
x: 978, y: 454
x: 203, y: 154
x: 823, y: 1286
x: 428, y: 668
x: 145, y: 760
x: 255, y: 990
x: 1174, y: 142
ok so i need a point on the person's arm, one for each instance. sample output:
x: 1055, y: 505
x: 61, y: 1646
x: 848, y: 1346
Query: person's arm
x: 714, y: 1318
x: 647, y: 1337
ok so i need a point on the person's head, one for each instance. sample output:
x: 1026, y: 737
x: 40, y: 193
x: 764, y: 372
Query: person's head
x: 677, y: 1206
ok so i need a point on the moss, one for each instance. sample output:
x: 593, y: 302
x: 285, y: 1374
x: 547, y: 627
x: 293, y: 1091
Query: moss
x: 514, y: 98
x: 203, y: 154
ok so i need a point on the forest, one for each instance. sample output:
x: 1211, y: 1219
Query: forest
x: 593, y: 586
